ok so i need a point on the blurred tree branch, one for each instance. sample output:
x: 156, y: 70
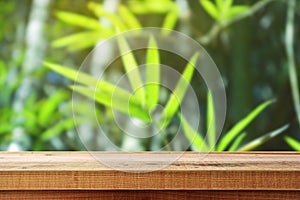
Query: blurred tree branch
x: 218, y: 27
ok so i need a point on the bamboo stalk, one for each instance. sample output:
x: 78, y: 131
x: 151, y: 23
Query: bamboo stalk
x: 289, y: 42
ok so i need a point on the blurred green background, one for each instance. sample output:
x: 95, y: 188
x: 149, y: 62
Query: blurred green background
x: 255, y: 45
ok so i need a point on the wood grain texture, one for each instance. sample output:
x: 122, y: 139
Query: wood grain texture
x: 191, y: 171
x: 146, y: 195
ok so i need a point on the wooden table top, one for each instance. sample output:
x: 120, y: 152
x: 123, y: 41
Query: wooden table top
x: 188, y: 171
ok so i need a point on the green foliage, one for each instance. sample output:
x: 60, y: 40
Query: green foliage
x: 81, y: 40
x: 88, y: 80
x: 178, y: 94
x: 7, y: 86
x: 166, y: 7
x: 3, y: 73
x: 78, y: 20
x: 237, y: 142
x: 41, y: 119
x: 123, y: 20
x: 131, y: 69
x: 7, y: 114
x: 103, y: 92
x: 6, y: 126
x: 138, y: 106
x: 222, y: 10
x: 134, y: 109
x: 50, y: 106
x: 57, y: 129
x: 47, y: 115
x: 152, y: 74
x: 6, y: 7
x: 193, y: 136
x: 41, y: 116
x: 242, y: 124
x: 114, y: 19
x: 233, y: 136
x: 131, y: 21
x: 293, y: 143
x: 210, y: 122
x: 171, y: 18
x: 261, y: 140
x: 151, y: 6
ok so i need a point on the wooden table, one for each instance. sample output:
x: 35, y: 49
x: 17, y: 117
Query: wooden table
x: 78, y: 175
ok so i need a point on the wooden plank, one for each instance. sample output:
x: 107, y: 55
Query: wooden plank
x: 157, y: 195
x: 215, y: 171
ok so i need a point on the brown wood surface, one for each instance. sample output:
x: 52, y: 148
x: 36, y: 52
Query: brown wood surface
x: 215, y: 171
x: 156, y: 195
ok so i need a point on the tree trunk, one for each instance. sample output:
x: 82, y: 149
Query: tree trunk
x: 34, y: 55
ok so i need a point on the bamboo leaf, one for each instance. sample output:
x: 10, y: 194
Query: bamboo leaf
x: 177, y: 96
x: 88, y: 80
x: 57, y: 129
x: 91, y: 40
x: 211, y: 127
x: 72, y: 74
x: 193, y: 136
x: 50, y: 105
x: 170, y: 19
x: 81, y: 40
x: 138, y: 7
x: 74, y: 38
x: 100, y: 11
x: 150, y: 6
x: 127, y: 106
x: 219, y: 4
x: 232, y: 133
x: 131, y: 68
x: 210, y: 8
x: 293, y: 143
x: 227, y: 4
x: 224, y: 6
x: 129, y: 18
x: 78, y: 20
x: 152, y: 74
x: 31, y: 118
x: 237, y: 142
x: 261, y: 140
